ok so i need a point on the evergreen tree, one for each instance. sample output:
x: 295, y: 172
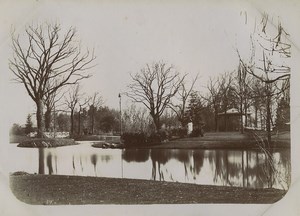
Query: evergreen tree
x: 194, y: 109
x: 28, y: 126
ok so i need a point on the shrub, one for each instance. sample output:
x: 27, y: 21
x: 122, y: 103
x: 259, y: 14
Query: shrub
x: 196, y: 132
x: 141, y: 139
x: 181, y: 132
x: 134, y: 139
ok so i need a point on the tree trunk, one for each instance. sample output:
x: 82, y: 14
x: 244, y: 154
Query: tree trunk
x: 47, y: 119
x: 256, y: 113
x: 216, y: 123
x: 41, y: 161
x: 268, y: 123
x: 40, y: 118
x: 93, y: 119
x: 246, y: 116
x: 225, y: 120
x: 156, y: 122
x: 241, y: 117
x: 216, y: 120
x: 72, y: 123
x: 79, y: 119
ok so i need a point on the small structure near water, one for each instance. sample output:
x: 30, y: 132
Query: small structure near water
x: 230, y: 120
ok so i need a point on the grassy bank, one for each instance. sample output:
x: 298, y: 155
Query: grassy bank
x: 46, y: 142
x: 222, y: 140
x: 211, y: 140
x: 75, y: 190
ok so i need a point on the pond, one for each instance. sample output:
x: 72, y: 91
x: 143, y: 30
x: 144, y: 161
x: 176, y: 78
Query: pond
x: 244, y: 168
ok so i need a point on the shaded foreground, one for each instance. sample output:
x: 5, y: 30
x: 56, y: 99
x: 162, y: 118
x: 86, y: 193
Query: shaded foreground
x: 77, y: 190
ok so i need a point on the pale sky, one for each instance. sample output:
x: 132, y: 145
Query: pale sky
x: 196, y: 37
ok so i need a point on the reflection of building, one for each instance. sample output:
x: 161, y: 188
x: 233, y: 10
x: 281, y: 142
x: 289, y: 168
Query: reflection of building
x: 230, y: 120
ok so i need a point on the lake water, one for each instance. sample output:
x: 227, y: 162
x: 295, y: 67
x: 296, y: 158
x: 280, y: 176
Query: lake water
x: 245, y: 168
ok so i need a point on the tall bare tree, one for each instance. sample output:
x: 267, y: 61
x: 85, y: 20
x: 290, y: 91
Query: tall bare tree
x: 50, y: 102
x: 242, y: 91
x: 43, y: 55
x: 95, y: 102
x: 258, y: 101
x: 154, y: 87
x: 227, y: 99
x: 272, y: 48
x: 82, y: 103
x: 136, y: 119
x: 180, y: 108
x: 214, y: 97
x: 71, y: 101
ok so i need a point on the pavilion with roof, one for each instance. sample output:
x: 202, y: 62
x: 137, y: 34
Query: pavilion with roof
x: 230, y: 120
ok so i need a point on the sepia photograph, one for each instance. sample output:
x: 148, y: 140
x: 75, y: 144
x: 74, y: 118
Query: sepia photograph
x: 149, y: 107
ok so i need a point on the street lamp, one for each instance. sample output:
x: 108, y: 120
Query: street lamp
x: 120, y: 102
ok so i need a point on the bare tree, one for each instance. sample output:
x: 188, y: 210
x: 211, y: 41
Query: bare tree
x: 154, y: 87
x: 214, y: 97
x: 227, y: 99
x: 136, y: 119
x: 46, y: 55
x: 271, y: 69
x: 258, y: 101
x: 82, y: 102
x: 95, y: 102
x: 71, y: 101
x: 50, y: 102
x: 242, y: 91
x: 183, y: 95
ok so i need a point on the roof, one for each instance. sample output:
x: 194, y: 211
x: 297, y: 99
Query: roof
x: 232, y: 111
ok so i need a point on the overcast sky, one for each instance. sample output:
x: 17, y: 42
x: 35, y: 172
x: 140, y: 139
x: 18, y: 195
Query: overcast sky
x: 196, y: 37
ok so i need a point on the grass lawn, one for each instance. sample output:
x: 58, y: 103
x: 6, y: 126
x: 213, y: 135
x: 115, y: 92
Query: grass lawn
x: 76, y: 190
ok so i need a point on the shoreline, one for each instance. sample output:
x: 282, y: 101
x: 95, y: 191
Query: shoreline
x: 211, y: 140
x: 79, y: 190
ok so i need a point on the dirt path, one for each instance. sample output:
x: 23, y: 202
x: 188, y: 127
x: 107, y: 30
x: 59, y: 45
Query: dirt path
x: 61, y: 190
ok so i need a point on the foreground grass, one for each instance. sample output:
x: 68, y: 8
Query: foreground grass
x: 76, y: 190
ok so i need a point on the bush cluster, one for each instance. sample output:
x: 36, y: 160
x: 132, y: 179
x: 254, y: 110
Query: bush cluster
x: 179, y: 132
x: 142, y: 139
x: 197, y: 132
x: 133, y: 139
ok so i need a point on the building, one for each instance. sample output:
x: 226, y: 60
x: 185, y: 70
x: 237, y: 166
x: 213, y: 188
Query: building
x: 230, y: 120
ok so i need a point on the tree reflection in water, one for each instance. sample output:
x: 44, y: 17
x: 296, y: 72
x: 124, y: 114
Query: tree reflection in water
x: 41, y: 161
x: 94, y: 159
x: 245, y: 168
x: 198, y: 159
x: 158, y: 158
x: 135, y: 155
x: 248, y: 168
x: 49, y: 163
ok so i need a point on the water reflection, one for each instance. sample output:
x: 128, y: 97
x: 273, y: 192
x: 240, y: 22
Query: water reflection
x: 135, y: 155
x: 213, y: 167
x: 94, y: 162
x: 49, y: 163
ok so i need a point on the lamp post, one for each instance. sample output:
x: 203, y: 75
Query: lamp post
x: 120, y: 102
